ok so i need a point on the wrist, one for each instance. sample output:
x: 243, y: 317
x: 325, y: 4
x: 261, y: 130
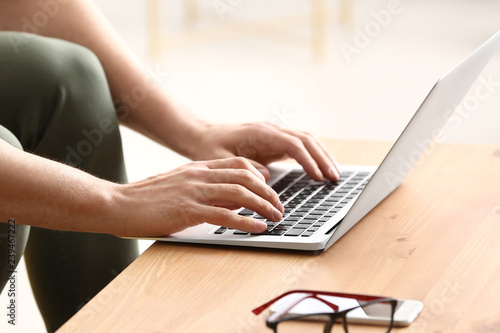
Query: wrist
x: 117, y: 209
x: 191, y: 138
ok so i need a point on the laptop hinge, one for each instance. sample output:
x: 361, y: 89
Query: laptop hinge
x: 332, y: 229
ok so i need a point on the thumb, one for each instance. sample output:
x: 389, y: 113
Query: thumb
x: 261, y: 168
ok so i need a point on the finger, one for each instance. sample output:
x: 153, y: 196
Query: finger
x: 246, y: 179
x: 234, y: 163
x: 229, y: 219
x: 322, y: 159
x: 322, y: 146
x: 294, y: 147
x: 262, y: 169
x: 224, y: 194
x: 330, y: 155
x: 228, y: 206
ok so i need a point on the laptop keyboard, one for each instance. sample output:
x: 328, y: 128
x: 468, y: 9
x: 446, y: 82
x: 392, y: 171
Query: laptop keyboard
x: 308, y: 204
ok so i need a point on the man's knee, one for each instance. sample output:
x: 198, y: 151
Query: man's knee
x: 46, y: 78
x: 49, y: 61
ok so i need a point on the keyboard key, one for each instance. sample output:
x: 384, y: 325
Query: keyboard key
x: 246, y: 212
x: 307, y: 234
x: 278, y: 232
x: 281, y: 227
x: 307, y: 205
x: 332, y: 213
x: 287, y: 223
x: 220, y: 231
x: 239, y: 232
x: 294, y: 232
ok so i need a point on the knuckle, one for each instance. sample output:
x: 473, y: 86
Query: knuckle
x: 247, y: 150
x: 246, y: 175
x: 191, y: 172
x: 197, y: 164
x: 296, y: 143
x: 187, y: 210
x: 266, y: 125
x: 224, y: 215
x: 264, y: 205
x: 235, y: 190
x: 240, y: 162
x: 306, y: 138
x: 208, y: 192
x: 307, y: 134
x: 262, y: 125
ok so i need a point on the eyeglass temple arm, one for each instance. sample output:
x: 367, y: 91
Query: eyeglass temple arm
x: 312, y: 295
x: 365, y: 298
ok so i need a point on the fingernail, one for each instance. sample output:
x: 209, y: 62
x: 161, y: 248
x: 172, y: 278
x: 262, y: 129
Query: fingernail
x: 333, y: 173
x: 277, y: 214
x: 262, y: 173
x: 261, y: 226
x: 281, y: 207
x: 319, y: 175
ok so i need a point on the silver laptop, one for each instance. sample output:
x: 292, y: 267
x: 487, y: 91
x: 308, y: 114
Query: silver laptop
x: 319, y: 213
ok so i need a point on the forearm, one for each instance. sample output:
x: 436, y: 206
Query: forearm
x: 149, y: 111
x: 40, y: 192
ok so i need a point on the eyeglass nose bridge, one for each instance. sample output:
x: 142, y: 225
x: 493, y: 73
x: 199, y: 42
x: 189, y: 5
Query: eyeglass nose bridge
x: 275, y: 316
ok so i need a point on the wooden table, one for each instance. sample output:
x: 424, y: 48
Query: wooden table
x: 435, y: 239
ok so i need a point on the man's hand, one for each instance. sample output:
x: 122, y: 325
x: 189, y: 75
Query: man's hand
x: 195, y: 193
x: 263, y: 143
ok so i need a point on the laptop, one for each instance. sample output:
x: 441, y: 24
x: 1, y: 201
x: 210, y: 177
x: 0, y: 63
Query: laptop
x: 317, y: 214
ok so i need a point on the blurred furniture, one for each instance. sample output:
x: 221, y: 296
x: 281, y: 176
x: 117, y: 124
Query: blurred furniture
x: 158, y: 41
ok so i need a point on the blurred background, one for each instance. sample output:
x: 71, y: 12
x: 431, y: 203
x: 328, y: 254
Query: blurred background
x: 349, y: 69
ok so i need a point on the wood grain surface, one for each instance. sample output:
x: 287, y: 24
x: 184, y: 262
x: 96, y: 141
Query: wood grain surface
x: 436, y: 239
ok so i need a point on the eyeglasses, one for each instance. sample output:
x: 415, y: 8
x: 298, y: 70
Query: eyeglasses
x: 322, y: 309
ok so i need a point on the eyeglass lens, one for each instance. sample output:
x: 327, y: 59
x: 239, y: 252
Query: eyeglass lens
x: 365, y: 318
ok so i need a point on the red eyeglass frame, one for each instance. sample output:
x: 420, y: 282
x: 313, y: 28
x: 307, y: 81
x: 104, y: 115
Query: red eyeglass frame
x: 273, y: 321
x: 314, y: 294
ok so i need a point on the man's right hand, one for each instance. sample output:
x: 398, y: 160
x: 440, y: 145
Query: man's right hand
x: 197, y: 192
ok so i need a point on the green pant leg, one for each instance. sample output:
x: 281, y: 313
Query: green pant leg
x: 13, y: 238
x: 55, y: 99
